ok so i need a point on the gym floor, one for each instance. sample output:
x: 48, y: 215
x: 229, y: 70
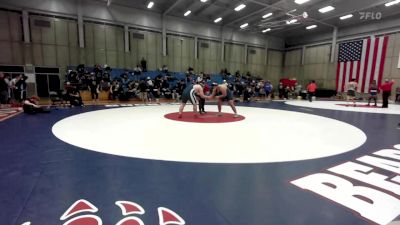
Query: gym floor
x: 224, y: 171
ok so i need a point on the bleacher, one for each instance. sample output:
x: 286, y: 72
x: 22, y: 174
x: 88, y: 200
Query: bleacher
x: 177, y: 76
x: 116, y: 74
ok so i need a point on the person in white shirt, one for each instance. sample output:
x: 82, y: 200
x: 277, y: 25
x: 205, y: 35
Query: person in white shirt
x: 351, y: 91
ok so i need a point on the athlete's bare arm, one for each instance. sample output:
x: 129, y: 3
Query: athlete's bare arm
x: 199, y: 90
x: 214, y: 92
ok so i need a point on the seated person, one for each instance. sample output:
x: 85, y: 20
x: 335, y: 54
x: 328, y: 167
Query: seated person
x: 248, y: 94
x: 74, y: 97
x: 31, y: 106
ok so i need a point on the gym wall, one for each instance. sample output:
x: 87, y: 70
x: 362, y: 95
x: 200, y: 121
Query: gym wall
x: 54, y: 43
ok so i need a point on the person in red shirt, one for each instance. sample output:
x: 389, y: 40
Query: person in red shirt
x: 311, y: 88
x: 386, y: 89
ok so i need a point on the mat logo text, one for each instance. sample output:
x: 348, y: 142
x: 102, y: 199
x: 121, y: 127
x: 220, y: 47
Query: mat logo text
x: 369, y: 185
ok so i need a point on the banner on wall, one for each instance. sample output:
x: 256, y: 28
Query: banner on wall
x: 398, y: 65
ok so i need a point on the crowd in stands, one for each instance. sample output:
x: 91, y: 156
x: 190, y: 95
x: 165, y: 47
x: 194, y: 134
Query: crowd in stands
x: 150, y: 86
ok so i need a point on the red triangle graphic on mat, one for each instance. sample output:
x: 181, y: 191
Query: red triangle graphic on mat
x: 167, y: 216
x: 129, y: 208
x: 79, y: 206
x: 130, y: 221
x: 84, y: 220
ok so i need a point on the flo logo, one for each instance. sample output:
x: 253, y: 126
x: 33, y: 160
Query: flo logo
x: 370, y: 15
x: 130, y: 213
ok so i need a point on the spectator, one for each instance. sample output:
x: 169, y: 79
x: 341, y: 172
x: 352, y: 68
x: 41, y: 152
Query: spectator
x: 21, y: 86
x: 189, y: 74
x: 106, y: 75
x: 143, y: 91
x: 15, y: 93
x: 386, y: 89
x: 104, y: 85
x: 31, y: 106
x: 207, y: 77
x: 175, y: 93
x: 72, y: 76
x: 239, y: 88
x: 80, y: 69
x: 3, y: 90
x: 224, y: 73
x: 373, y: 92
x: 202, y: 101
x: 132, y: 89
x: 94, y: 90
x: 180, y: 87
x: 124, y: 85
x: 74, y: 97
x: 98, y: 72
x: 281, y: 90
x: 114, y: 90
x: 261, y: 90
x: 164, y: 69
x: 143, y: 63
x: 9, y: 90
x: 248, y: 94
x: 311, y: 89
x: 397, y: 94
x: 351, y: 91
x: 237, y: 75
x: 297, y: 89
x: 156, y: 90
x: 200, y: 77
x: 137, y: 71
x: 149, y: 88
x: 268, y: 88
x: 165, y: 91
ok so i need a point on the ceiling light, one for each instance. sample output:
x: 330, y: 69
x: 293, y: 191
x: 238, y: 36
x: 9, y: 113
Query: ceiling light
x: 346, y: 17
x: 267, y: 15
x: 218, y: 20
x: 266, y: 30
x: 311, y: 27
x: 203, y: 0
x: 187, y: 13
x: 240, y: 7
x: 326, y: 9
x: 244, y: 25
x: 291, y: 21
x: 150, y: 5
x: 301, y: 1
x: 392, y: 3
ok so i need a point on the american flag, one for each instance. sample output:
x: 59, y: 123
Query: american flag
x: 362, y: 60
